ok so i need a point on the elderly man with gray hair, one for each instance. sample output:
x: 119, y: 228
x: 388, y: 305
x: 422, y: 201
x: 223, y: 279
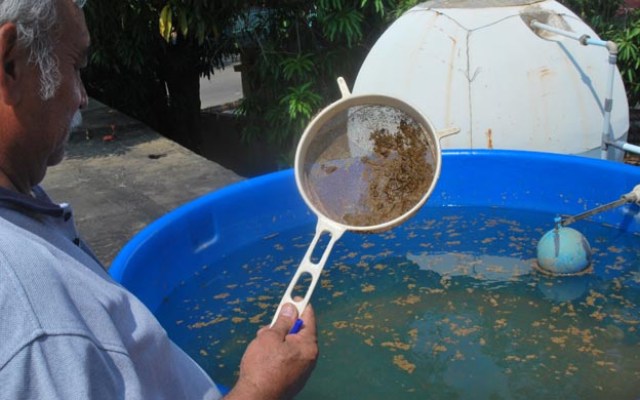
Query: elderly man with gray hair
x: 67, y: 330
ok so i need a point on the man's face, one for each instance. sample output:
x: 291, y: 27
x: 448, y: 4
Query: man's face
x: 54, y: 118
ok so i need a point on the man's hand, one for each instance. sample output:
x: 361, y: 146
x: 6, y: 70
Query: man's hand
x: 276, y: 364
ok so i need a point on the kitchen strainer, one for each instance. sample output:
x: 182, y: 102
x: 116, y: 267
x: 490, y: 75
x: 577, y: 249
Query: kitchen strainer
x: 365, y: 163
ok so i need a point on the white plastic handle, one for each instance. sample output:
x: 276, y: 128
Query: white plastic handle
x: 307, y: 266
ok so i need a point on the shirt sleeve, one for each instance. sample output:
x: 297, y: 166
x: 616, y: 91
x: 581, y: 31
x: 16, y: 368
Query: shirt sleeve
x: 68, y: 367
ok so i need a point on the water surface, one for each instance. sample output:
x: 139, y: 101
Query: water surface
x: 447, y: 306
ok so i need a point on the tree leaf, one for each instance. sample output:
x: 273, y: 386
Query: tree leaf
x: 182, y: 22
x: 166, y: 23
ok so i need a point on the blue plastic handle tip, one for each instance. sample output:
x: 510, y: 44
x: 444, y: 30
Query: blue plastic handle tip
x: 296, y: 327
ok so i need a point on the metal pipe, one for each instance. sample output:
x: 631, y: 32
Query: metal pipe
x: 632, y: 197
x: 539, y: 25
x: 588, y: 40
x: 622, y: 145
x: 612, y: 48
x: 566, y: 220
x: 607, y: 136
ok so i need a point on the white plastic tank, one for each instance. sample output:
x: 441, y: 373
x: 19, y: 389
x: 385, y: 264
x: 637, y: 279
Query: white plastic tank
x: 479, y: 66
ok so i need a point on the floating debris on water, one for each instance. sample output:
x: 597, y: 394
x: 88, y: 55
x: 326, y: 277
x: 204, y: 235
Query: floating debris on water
x: 432, y: 308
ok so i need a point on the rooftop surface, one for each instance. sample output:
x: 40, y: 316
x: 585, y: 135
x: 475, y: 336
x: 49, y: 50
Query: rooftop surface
x: 119, y: 176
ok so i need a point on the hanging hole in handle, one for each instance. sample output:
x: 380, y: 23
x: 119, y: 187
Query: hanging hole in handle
x: 301, y: 288
x: 447, y: 132
x: 320, y: 247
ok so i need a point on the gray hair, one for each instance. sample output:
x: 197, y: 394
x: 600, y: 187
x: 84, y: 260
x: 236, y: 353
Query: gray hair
x: 36, y: 24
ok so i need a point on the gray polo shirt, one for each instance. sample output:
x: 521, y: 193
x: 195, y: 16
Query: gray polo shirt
x: 67, y: 330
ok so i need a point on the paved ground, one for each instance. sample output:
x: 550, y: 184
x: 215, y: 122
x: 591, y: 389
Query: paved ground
x: 118, y: 187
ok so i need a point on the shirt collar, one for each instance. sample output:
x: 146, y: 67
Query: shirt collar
x: 40, y: 203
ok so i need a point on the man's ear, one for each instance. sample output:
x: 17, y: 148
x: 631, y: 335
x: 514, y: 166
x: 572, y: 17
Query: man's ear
x: 11, y: 64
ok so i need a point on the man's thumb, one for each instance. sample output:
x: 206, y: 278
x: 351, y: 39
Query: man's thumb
x: 286, y: 318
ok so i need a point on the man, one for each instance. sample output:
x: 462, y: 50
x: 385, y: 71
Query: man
x: 67, y: 331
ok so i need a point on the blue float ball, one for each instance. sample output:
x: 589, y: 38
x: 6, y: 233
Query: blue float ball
x: 563, y: 251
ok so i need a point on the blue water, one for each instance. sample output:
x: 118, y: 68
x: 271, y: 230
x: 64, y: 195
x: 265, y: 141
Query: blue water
x: 447, y: 307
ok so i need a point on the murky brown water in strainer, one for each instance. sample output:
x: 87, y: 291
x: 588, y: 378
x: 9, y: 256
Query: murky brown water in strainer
x: 368, y: 165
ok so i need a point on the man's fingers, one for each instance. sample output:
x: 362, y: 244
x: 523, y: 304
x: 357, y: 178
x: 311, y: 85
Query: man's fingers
x: 286, y: 318
x: 309, y: 321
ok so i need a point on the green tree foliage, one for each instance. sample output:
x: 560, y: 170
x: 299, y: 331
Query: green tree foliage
x: 294, y: 54
x: 123, y: 64
x: 148, y: 57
